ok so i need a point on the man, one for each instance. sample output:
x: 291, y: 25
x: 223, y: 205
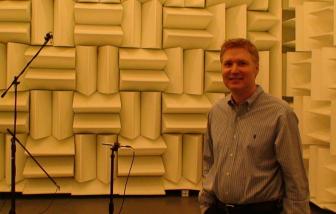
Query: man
x: 252, y: 160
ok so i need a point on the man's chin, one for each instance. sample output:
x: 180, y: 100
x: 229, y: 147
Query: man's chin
x: 235, y: 87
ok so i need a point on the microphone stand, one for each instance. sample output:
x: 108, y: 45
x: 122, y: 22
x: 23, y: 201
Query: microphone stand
x: 114, y: 148
x: 14, y: 139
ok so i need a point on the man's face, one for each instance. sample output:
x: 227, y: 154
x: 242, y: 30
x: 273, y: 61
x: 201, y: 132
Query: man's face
x: 239, y: 70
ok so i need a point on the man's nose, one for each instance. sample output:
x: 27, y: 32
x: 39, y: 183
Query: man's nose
x: 234, y: 68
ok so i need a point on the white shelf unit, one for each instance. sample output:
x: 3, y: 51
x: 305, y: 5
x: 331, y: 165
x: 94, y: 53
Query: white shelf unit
x: 311, y: 72
x: 316, y: 122
x: 314, y: 25
x: 298, y: 76
x: 323, y: 74
x: 325, y: 18
x: 323, y: 10
x: 303, y: 87
x: 323, y: 110
x: 331, y: 71
x: 321, y: 135
x: 323, y: 36
x: 322, y: 176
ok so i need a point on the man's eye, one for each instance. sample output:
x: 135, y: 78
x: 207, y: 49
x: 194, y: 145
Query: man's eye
x: 242, y: 63
x: 227, y: 64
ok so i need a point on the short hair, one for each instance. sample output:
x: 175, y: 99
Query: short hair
x: 240, y: 43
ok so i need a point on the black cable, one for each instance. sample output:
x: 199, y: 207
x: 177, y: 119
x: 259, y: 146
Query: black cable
x: 50, y: 203
x: 129, y: 172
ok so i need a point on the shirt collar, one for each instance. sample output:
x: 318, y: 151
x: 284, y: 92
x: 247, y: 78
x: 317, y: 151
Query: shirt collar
x: 250, y: 100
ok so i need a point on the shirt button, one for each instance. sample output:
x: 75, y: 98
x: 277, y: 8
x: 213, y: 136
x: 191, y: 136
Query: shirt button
x: 228, y: 173
x: 234, y: 136
x: 231, y: 154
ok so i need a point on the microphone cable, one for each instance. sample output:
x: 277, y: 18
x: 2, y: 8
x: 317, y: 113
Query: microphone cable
x: 50, y: 204
x: 129, y: 172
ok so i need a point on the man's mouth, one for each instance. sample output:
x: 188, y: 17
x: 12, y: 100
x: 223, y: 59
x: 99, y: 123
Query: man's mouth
x: 235, y: 78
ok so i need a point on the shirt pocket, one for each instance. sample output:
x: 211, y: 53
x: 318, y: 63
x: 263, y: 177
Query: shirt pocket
x: 258, y: 143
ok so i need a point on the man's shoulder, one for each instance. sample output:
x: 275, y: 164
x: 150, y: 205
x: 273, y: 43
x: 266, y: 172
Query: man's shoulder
x: 276, y: 103
x: 220, y: 105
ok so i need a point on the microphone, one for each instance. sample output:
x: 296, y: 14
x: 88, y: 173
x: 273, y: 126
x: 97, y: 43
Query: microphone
x: 116, y: 146
x: 48, y: 36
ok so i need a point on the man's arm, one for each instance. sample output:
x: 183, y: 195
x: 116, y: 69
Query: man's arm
x: 289, y: 156
x: 205, y: 197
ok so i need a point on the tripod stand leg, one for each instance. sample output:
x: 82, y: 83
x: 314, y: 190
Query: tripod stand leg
x: 13, y: 173
x: 111, y: 205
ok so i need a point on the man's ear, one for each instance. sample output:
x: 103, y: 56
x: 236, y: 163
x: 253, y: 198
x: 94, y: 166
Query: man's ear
x: 257, y: 69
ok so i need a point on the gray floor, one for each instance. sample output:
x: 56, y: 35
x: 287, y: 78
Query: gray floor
x: 99, y: 205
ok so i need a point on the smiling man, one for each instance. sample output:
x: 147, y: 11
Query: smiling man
x: 252, y: 159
